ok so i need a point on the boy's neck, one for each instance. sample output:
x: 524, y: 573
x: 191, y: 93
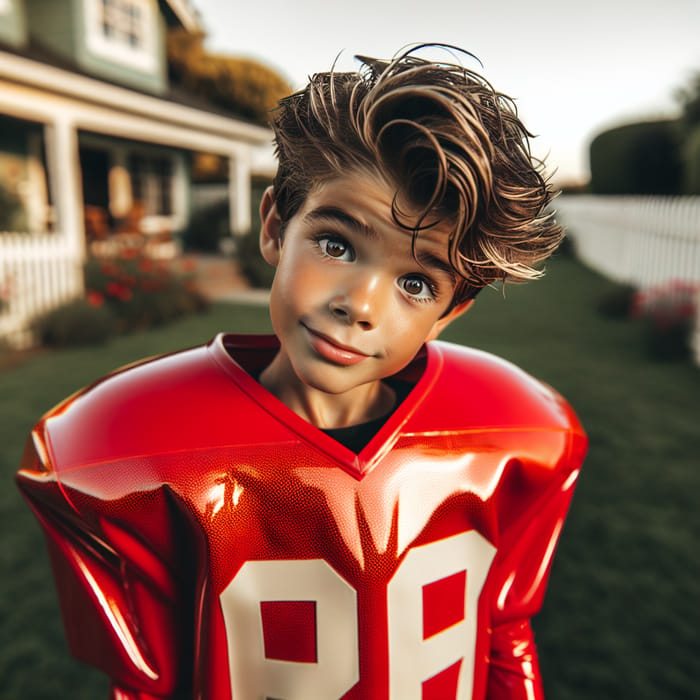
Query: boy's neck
x: 326, y: 411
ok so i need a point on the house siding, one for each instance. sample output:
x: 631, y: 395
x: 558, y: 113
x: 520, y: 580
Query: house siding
x: 151, y: 78
x: 61, y: 26
x: 50, y: 23
x: 13, y: 26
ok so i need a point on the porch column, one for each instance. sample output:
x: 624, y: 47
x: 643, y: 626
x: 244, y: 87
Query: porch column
x: 239, y: 192
x: 66, y: 188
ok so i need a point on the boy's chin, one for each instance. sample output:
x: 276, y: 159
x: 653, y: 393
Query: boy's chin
x: 333, y: 380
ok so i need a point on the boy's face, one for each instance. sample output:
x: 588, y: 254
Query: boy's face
x: 350, y: 302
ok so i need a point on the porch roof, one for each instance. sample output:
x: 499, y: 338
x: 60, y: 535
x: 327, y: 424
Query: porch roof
x: 186, y: 15
x: 36, y: 67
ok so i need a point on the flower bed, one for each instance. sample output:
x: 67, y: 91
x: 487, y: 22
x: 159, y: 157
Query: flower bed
x: 142, y: 292
x: 669, y: 311
x: 122, y: 294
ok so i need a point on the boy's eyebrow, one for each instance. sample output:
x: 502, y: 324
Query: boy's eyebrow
x: 432, y: 261
x: 336, y: 215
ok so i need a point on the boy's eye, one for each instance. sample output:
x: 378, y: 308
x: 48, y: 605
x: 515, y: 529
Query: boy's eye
x: 335, y: 247
x: 416, y: 287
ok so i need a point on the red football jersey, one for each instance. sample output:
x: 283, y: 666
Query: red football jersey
x: 209, y: 543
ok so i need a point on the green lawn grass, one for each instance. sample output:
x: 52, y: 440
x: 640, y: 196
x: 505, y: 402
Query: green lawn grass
x: 622, y: 613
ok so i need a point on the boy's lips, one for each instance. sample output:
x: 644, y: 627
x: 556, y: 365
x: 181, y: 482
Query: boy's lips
x: 333, y: 351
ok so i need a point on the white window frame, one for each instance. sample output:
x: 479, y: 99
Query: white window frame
x: 141, y: 58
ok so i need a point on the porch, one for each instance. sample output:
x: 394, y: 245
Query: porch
x: 99, y: 168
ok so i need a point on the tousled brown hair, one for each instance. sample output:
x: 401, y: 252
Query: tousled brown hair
x: 454, y: 148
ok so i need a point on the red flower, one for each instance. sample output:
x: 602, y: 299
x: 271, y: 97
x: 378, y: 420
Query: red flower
x: 118, y: 291
x: 95, y: 298
x: 668, y: 305
x: 146, y: 265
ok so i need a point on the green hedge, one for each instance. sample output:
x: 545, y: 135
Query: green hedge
x: 641, y: 158
x: 691, y: 162
x: 75, y: 323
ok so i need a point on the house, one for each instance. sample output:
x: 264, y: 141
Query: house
x: 95, y: 141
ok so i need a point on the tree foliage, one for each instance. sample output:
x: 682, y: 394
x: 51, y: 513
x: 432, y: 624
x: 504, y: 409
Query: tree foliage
x: 640, y: 158
x: 691, y: 161
x: 689, y: 99
x: 240, y: 85
x: 655, y: 157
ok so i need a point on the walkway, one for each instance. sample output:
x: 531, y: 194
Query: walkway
x: 221, y: 280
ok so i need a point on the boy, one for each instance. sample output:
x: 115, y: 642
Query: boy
x: 343, y: 511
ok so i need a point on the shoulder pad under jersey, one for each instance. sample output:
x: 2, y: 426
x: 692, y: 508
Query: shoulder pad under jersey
x: 480, y: 390
x: 170, y: 403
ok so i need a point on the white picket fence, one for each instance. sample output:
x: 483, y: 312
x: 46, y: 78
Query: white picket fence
x: 642, y: 241
x: 37, y: 273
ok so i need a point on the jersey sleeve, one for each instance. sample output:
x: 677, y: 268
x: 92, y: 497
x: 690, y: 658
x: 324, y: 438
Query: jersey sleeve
x: 521, y: 577
x: 119, y: 599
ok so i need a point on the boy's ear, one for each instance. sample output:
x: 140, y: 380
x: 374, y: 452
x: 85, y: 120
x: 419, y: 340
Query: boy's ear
x: 451, y: 315
x: 270, y: 228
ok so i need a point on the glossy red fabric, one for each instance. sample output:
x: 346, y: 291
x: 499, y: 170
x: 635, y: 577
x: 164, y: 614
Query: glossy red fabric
x: 208, y: 543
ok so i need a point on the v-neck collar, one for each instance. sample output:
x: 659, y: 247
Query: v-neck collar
x: 223, y: 349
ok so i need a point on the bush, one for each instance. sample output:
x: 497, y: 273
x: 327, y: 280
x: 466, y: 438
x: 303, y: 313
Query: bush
x: 642, y: 158
x: 567, y: 248
x: 251, y: 263
x: 243, y: 86
x: 618, y: 301
x: 691, y: 162
x: 75, y: 323
x: 669, y: 312
x: 141, y: 292
x: 208, y: 227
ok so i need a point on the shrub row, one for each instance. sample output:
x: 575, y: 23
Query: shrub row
x: 656, y: 157
x: 691, y: 162
x: 641, y: 158
x: 124, y: 294
x: 667, y: 311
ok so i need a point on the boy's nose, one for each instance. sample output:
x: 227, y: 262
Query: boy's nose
x: 360, y: 302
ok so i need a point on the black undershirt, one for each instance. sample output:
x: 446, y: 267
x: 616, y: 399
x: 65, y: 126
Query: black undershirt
x: 356, y: 437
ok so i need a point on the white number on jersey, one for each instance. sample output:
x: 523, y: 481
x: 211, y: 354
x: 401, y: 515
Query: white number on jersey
x: 432, y: 604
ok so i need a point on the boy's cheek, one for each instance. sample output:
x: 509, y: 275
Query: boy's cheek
x: 302, y: 282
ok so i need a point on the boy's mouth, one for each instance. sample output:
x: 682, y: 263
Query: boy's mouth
x: 333, y: 351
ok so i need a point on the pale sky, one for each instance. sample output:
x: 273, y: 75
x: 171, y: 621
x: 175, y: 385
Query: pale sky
x: 574, y: 68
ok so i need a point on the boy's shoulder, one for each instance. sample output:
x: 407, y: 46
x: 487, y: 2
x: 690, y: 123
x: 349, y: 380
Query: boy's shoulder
x: 176, y: 401
x: 474, y: 365
x: 484, y: 390
x: 169, y: 381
